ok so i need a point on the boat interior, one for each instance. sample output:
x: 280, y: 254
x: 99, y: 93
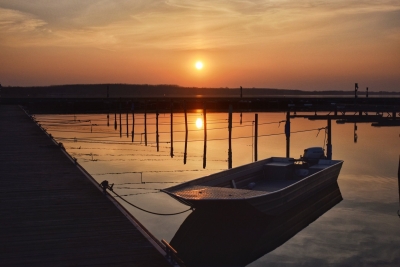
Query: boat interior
x: 254, y: 179
x: 271, y: 175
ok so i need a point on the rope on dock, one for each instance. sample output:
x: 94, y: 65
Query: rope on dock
x: 155, y: 213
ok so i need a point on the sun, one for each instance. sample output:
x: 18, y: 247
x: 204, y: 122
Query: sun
x: 199, y: 65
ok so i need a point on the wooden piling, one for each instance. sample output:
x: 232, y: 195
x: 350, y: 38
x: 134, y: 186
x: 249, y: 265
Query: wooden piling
x: 115, y: 120
x: 127, y: 124
x: 355, y: 133
x: 255, y: 137
x: 133, y: 125
x: 287, y: 133
x: 172, y: 131
x: 145, y: 126
x: 157, y: 136
x: 120, y: 120
x: 329, y: 145
x: 355, y: 90
x: 186, y: 136
x: 230, y: 138
x: 205, y: 138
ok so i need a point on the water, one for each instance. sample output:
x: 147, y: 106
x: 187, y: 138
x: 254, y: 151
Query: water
x: 361, y: 230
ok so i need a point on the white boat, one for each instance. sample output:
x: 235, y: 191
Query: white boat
x: 272, y: 185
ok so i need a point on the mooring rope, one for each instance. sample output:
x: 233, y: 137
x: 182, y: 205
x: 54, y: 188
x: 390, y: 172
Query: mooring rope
x: 155, y: 213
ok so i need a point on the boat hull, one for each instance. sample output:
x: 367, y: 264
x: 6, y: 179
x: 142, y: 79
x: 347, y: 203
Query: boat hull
x: 199, y: 194
x: 278, y: 202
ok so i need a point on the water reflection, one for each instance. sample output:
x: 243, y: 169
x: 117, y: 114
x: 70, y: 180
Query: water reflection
x: 199, y: 123
x: 239, y: 236
x: 362, y: 230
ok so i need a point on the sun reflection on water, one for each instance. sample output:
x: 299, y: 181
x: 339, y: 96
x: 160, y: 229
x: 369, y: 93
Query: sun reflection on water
x: 199, y: 123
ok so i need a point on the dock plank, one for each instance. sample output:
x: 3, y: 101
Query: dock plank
x: 51, y: 214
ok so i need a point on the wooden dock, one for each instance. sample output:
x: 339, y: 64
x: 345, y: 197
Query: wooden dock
x: 52, y: 214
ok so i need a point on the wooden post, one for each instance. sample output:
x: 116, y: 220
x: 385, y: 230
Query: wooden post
x: 157, y: 136
x: 287, y: 133
x: 355, y: 133
x: 145, y: 125
x: 255, y: 136
x: 133, y: 125
x: 230, y: 138
x: 127, y: 123
x: 108, y: 114
x: 205, y: 137
x: 172, y: 131
x: 329, y: 145
x: 186, y: 137
x: 120, y: 120
x: 115, y: 120
x: 355, y: 90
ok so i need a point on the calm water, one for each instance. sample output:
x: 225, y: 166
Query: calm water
x: 361, y: 230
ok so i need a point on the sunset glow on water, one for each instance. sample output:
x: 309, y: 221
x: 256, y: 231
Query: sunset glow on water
x: 341, y: 236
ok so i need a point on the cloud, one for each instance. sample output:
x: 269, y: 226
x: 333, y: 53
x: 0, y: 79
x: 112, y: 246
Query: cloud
x: 189, y: 24
x: 16, y: 21
x: 18, y: 28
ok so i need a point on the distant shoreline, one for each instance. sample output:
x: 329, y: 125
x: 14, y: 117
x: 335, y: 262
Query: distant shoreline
x: 146, y: 90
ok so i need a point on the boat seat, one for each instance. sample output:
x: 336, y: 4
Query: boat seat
x: 278, y: 170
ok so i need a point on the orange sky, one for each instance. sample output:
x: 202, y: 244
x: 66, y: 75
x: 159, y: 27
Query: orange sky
x: 308, y: 45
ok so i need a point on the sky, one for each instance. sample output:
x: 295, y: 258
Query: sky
x: 287, y: 44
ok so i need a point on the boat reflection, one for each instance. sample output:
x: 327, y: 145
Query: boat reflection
x: 237, y: 237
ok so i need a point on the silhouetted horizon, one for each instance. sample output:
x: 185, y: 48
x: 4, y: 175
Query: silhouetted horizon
x: 167, y: 90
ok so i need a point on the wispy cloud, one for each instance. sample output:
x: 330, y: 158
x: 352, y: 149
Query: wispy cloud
x: 13, y: 21
x: 186, y: 24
